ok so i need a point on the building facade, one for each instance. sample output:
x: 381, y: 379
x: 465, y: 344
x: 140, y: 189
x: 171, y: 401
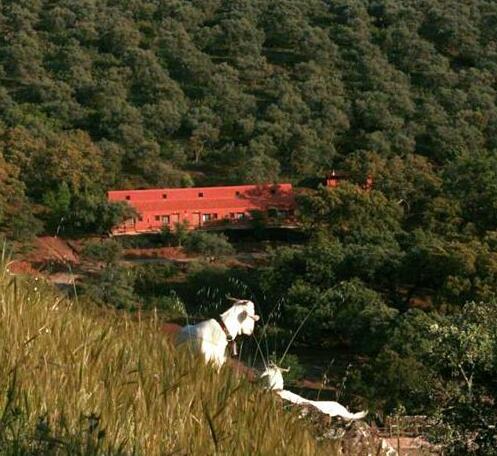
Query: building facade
x: 202, y: 206
x: 333, y: 180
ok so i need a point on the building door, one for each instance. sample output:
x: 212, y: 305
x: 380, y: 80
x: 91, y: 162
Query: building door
x: 196, y: 219
x: 174, y: 219
x: 130, y: 225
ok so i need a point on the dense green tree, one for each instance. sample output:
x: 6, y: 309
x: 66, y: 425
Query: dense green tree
x: 444, y: 366
x: 112, y: 284
x: 108, y: 252
x: 113, y: 287
x: 58, y: 202
x: 471, y: 181
x: 16, y: 218
x: 351, y: 214
x: 464, y: 353
x: 208, y: 244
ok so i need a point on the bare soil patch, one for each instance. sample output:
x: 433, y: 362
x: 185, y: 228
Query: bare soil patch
x: 51, y: 249
x: 23, y: 267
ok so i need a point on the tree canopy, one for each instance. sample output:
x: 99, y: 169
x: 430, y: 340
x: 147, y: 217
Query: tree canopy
x: 152, y: 93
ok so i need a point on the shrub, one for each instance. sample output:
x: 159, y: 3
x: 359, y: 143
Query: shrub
x: 176, y: 235
x: 108, y: 252
x: 206, y: 286
x: 208, y: 244
x: 112, y: 286
x: 140, y: 241
x: 170, y: 306
x: 151, y: 278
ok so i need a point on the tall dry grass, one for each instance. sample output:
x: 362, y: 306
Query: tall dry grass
x: 77, y: 380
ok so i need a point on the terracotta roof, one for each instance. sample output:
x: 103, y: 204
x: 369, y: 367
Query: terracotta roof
x: 202, y: 204
x: 249, y: 191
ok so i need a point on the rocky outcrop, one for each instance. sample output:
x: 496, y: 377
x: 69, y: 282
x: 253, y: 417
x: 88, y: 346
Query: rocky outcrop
x: 352, y: 437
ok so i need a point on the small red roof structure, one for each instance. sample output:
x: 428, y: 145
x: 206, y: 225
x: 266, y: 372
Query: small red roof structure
x: 333, y: 180
x: 202, y: 206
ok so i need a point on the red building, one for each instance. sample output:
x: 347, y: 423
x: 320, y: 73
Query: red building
x: 202, y: 206
x: 334, y: 179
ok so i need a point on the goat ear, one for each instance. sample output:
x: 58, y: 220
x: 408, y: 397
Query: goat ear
x: 242, y: 316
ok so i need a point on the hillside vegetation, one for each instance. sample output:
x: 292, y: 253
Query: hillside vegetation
x: 77, y: 381
x: 109, y: 94
x: 115, y: 93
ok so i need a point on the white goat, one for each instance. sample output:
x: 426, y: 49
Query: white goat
x: 274, y: 381
x: 211, y: 337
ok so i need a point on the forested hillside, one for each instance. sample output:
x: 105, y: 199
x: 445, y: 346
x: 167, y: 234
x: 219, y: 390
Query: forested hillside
x: 98, y: 95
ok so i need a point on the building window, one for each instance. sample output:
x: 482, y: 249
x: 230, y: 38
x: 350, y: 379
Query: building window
x: 128, y: 197
x: 208, y: 217
x: 200, y: 194
x: 157, y: 218
x: 165, y: 219
x: 164, y: 196
x: 238, y: 194
x: 232, y: 215
x: 240, y: 215
x: 140, y: 218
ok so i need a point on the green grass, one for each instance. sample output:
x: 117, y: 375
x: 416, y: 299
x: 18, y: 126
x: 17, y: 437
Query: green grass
x: 75, y: 379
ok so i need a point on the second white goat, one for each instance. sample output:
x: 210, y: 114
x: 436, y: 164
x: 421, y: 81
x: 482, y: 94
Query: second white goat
x: 274, y: 380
